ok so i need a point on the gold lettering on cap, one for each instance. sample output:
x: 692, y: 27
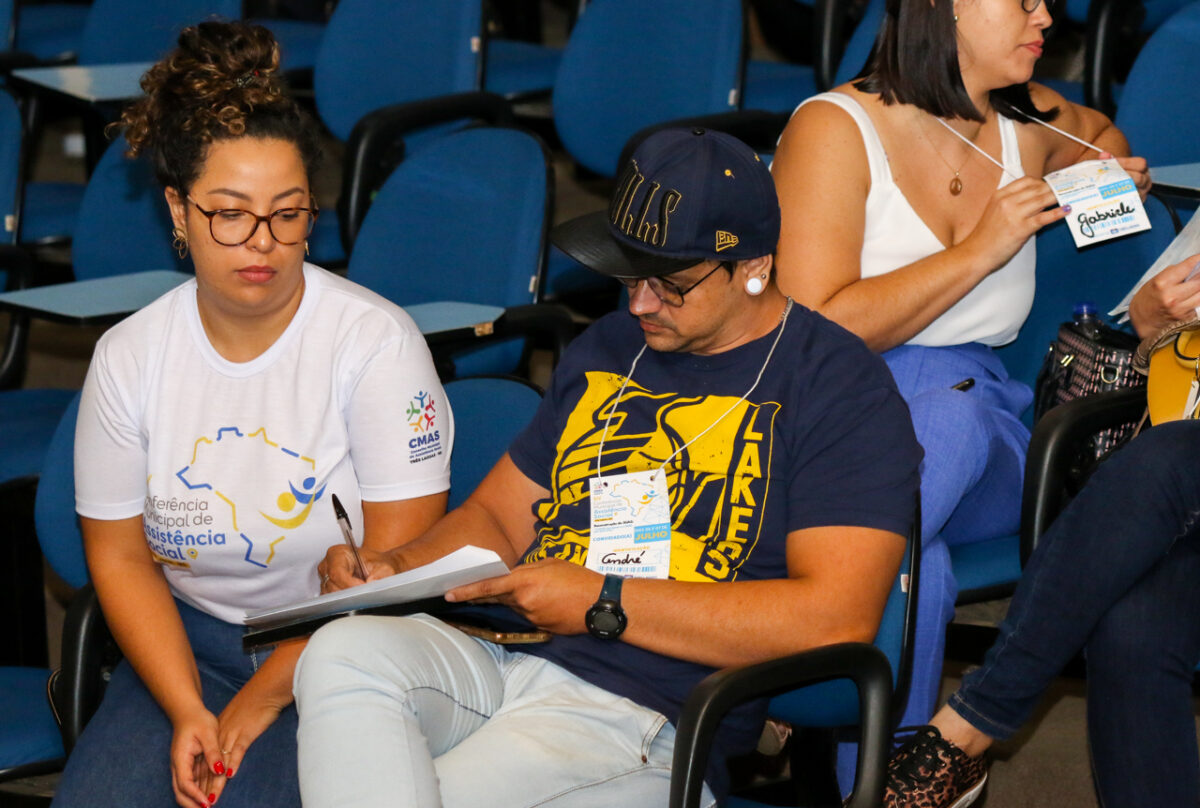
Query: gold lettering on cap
x: 653, y: 215
x: 725, y: 240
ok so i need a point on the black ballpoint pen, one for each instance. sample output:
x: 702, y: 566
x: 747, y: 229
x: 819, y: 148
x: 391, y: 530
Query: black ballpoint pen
x: 344, y: 523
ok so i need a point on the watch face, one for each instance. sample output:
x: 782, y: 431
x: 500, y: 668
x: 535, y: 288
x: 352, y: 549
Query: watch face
x: 606, y: 620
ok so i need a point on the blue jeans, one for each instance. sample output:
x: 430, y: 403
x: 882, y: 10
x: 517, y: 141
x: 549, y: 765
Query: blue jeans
x: 1118, y: 576
x: 123, y: 756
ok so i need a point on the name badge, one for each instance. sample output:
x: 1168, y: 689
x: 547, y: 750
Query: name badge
x: 631, y: 525
x: 1104, y: 201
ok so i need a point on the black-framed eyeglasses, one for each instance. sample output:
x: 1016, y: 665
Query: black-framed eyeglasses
x: 1030, y: 6
x: 232, y: 227
x: 667, y: 291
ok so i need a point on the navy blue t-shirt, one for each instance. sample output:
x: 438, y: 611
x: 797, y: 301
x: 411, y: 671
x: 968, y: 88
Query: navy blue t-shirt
x: 825, y: 439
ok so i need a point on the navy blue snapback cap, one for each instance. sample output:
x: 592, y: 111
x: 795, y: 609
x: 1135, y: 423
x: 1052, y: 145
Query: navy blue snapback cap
x: 685, y: 196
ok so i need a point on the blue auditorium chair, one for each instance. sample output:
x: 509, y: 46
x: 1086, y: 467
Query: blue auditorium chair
x: 841, y: 686
x: 464, y: 219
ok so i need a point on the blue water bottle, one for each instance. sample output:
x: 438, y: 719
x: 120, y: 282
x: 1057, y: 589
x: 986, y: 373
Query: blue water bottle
x: 1087, y: 320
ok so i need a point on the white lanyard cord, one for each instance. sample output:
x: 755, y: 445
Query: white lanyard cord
x: 967, y: 140
x: 600, y: 452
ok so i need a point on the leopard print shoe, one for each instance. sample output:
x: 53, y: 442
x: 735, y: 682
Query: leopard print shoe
x: 930, y: 772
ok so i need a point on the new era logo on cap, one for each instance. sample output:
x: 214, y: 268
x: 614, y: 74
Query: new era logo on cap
x: 725, y: 240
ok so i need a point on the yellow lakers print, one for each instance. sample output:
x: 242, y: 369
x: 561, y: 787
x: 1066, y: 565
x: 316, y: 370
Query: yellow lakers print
x: 717, y: 485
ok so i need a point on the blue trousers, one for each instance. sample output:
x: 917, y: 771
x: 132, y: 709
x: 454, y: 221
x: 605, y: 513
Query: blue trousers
x: 1118, y: 576
x: 971, y: 477
x: 123, y: 756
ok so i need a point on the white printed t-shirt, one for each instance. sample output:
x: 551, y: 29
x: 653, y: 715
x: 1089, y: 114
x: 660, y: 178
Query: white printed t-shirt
x: 232, y: 465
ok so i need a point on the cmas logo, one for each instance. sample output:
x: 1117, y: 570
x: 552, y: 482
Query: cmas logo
x: 421, y: 412
x: 422, y: 415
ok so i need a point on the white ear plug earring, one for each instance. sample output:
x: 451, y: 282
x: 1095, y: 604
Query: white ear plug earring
x: 755, y: 286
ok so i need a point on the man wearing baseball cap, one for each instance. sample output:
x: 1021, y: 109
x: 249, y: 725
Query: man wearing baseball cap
x: 715, y: 477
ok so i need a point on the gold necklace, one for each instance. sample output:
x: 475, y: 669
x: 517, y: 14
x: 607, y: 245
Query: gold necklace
x: 956, y: 185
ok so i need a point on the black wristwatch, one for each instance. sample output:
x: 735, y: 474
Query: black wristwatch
x: 606, y: 619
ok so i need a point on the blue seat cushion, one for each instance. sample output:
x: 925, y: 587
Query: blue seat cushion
x: 520, y: 68
x: 298, y: 41
x: 777, y: 86
x: 49, y: 210
x: 986, y: 563
x: 30, y: 418
x: 51, y: 30
x: 28, y: 732
x: 325, y: 241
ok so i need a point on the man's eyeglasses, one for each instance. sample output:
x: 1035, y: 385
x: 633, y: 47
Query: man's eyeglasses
x: 667, y: 291
x: 1030, y: 6
x: 232, y: 227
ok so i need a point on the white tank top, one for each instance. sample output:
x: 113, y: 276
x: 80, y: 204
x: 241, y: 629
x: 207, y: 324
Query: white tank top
x: 895, y: 236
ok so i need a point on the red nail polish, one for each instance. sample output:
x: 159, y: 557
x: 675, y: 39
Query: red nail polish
x: 229, y: 774
x: 219, y: 767
x: 212, y: 798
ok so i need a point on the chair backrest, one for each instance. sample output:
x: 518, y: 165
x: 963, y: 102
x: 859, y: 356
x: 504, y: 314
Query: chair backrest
x: 1160, y: 104
x: 835, y: 703
x: 464, y: 219
x: 488, y: 414
x: 629, y: 64
x: 11, y: 156
x: 1065, y: 276
x: 143, y: 30
x: 379, y: 52
x: 858, y: 48
x: 54, y: 507
x: 124, y: 224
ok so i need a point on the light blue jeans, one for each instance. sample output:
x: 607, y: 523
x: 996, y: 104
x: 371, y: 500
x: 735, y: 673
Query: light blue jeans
x: 407, y: 711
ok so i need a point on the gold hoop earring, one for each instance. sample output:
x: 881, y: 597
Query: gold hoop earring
x: 180, y: 243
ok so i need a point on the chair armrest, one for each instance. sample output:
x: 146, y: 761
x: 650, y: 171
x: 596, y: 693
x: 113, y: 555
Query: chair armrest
x: 1052, y: 451
x: 18, y: 268
x: 757, y: 128
x: 718, y: 693
x: 550, y: 321
x: 376, y: 145
x: 79, y: 686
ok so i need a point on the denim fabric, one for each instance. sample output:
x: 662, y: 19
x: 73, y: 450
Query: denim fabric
x: 411, y: 713
x: 123, y: 756
x: 1116, y: 575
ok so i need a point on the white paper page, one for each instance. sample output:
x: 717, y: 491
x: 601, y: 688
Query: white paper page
x: 1185, y: 245
x: 464, y: 566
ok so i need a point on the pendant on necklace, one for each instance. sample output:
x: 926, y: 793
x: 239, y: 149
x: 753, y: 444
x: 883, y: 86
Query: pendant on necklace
x: 955, y: 186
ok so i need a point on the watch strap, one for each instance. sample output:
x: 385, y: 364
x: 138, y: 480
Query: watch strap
x: 611, y: 590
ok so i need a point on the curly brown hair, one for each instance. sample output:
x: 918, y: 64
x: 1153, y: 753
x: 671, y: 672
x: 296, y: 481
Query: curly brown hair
x: 221, y: 82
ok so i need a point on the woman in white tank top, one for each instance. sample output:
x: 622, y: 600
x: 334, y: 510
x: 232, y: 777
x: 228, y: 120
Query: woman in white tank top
x: 910, y: 199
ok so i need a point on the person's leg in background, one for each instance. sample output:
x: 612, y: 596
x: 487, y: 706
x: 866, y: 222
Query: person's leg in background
x: 1117, y: 570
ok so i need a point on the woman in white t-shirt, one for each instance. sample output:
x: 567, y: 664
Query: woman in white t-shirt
x: 216, y: 425
x: 910, y: 198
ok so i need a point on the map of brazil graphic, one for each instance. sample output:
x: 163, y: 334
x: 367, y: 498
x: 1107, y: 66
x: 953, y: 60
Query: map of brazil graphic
x: 240, y: 469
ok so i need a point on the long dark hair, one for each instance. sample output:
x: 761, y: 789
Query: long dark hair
x: 915, y: 61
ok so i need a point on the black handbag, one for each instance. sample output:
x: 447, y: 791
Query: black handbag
x: 1088, y: 357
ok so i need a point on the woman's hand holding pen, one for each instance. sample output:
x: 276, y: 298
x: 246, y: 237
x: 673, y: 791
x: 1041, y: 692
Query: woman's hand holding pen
x: 338, y: 570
